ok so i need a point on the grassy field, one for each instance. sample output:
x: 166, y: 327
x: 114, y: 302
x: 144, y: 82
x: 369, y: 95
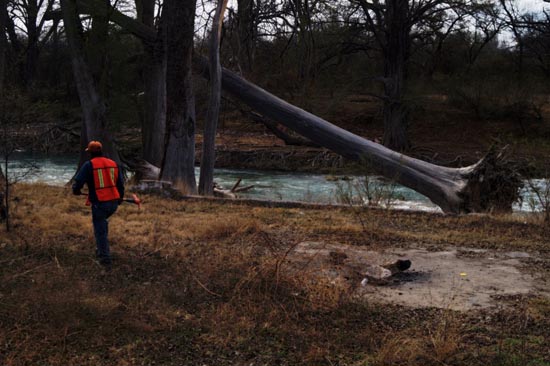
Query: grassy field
x: 206, y: 283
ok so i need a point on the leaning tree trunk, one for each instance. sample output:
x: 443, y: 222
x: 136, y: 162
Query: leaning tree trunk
x: 3, y: 43
x: 396, y: 50
x: 206, y: 180
x: 93, y: 108
x: 484, y: 186
x: 154, y: 78
x: 178, y: 165
x: 487, y: 185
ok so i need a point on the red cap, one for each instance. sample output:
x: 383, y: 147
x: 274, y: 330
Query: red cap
x: 94, y: 146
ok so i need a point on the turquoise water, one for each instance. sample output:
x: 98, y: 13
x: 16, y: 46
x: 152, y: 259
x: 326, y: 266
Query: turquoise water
x: 273, y: 185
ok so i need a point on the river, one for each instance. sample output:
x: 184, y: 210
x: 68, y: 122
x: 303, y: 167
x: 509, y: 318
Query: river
x: 273, y: 185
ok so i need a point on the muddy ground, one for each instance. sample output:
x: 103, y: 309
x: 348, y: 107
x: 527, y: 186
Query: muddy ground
x: 448, y: 278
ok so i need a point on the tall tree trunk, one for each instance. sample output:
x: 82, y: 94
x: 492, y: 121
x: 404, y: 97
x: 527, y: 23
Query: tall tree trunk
x: 32, y: 52
x: 206, y: 180
x: 154, y: 118
x: 396, y: 53
x: 154, y: 76
x: 179, y: 155
x: 3, y: 43
x: 246, y: 34
x: 96, y: 52
x: 93, y: 107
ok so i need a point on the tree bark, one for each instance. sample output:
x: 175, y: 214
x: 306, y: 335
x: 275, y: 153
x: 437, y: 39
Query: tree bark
x: 154, y: 76
x: 31, y: 9
x: 246, y: 34
x: 3, y: 43
x: 97, y: 52
x: 206, y: 180
x: 487, y: 185
x: 179, y: 155
x: 94, y: 118
x: 396, y: 53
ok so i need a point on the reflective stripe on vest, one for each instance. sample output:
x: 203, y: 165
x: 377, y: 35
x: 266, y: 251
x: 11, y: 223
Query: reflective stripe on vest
x: 105, y: 173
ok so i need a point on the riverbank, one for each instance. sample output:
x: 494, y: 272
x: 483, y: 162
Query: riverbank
x: 218, y: 284
x: 440, y: 133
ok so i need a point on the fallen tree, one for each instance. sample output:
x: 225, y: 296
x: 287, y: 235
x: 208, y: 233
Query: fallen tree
x: 490, y: 184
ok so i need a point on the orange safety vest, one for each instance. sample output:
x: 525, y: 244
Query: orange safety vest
x: 105, y: 177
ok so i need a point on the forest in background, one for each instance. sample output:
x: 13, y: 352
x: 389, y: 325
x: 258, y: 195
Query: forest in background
x: 485, y: 58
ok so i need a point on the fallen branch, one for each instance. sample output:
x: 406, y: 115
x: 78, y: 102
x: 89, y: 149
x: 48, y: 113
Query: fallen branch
x: 236, y: 185
x: 244, y: 189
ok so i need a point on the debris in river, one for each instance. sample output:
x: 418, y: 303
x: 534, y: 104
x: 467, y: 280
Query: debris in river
x: 219, y: 191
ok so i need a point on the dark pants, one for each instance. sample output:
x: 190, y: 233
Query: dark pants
x: 100, y: 213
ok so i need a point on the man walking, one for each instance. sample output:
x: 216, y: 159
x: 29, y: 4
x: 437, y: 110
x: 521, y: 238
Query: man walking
x: 106, y: 192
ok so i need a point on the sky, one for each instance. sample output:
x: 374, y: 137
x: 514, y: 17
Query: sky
x: 534, y: 5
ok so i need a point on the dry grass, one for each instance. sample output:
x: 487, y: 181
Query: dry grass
x: 208, y: 283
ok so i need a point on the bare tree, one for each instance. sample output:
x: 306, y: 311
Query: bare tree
x: 303, y: 12
x: 537, y: 40
x: 29, y: 17
x: 393, y: 24
x: 178, y: 164
x: 154, y: 77
x: 94, y: 118
x: 206, y: 180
